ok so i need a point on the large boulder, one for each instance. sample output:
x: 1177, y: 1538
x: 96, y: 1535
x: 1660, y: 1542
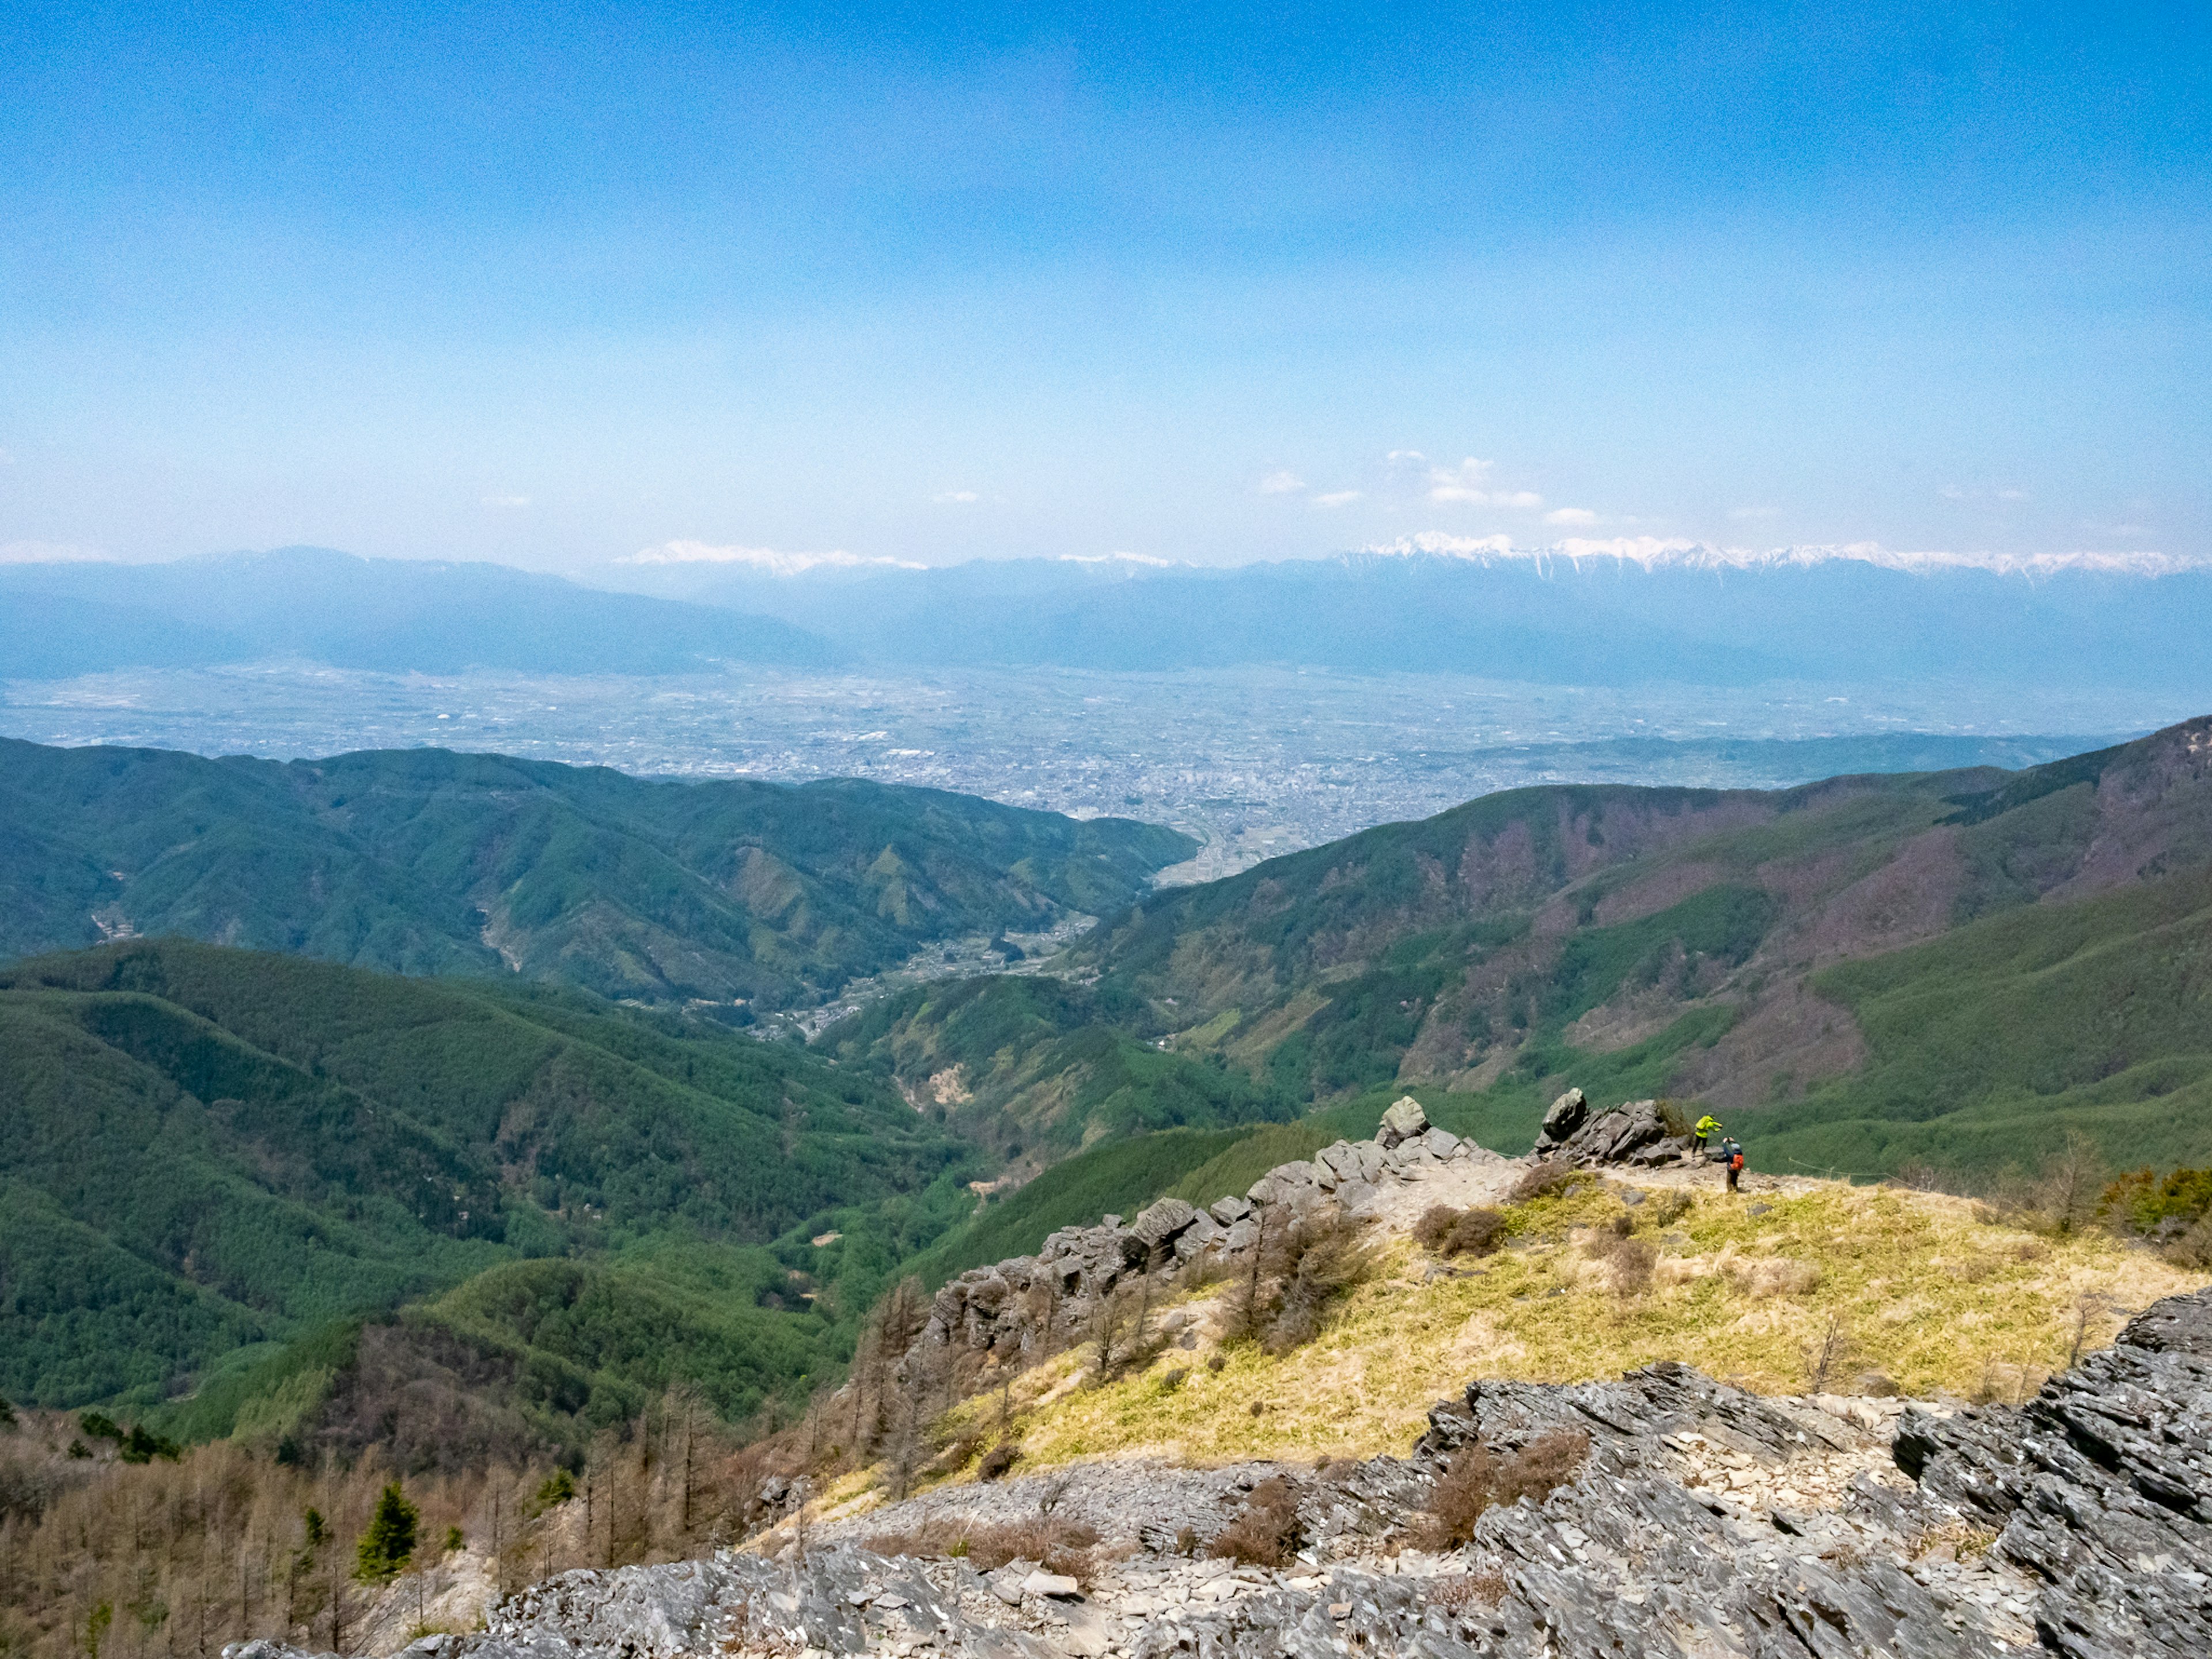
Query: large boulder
x: 1567, y: 1115
x: 1402, y: 1121
x: 1157, y: 1226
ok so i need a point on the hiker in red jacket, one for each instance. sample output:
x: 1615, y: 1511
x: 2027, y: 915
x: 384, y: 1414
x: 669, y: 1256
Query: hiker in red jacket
x: 1732, y: 1157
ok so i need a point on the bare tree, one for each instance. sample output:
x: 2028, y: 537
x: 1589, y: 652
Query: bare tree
x: 2072, y: 1179
x: 2091, y: 1309
x: 1828, y: 1353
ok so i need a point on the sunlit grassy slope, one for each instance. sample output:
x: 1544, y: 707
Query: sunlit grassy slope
x: 1931, y: 1298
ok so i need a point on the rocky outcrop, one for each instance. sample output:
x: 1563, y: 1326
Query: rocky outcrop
x: 2101, y: 1487
x: 1634, y: 1135
x: 1032, y: 1304
x: 1703, y: 1521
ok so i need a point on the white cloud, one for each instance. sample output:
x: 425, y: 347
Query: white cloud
x: 49, y: 553
x: 1468, y: 482
x: 1281, y: 483
x: 1571, y: 515
x: 1750, y: 512
x: 507, y: 501
x: 1654, y: 552
x: 766, y: 560
x: 1338, y: 498
x: 2011, y: 494
x: 1406, y: 455
x: 962, y: 496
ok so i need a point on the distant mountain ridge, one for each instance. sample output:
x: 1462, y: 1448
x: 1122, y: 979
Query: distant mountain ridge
x: 427, y: 861
x: 393, y: 615
x: 1598, y: 621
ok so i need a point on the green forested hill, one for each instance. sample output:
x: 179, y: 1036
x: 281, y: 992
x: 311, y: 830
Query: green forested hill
x: 1034, y: 1068
x: 426, y: 861
x: 1955, y: 968
x: 216, y: 1164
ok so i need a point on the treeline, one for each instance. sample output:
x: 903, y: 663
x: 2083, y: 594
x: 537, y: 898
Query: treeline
x: 104, y: 1558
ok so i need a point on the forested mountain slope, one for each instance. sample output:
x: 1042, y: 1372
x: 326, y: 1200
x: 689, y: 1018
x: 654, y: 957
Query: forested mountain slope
x: 425, y: 861
x: 211, y: 1153
x: 1950, y: 967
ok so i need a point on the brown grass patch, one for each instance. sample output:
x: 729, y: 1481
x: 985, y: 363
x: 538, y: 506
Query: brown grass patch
x: 1265, y: 1533
x: 1479, y: 1476
x: 1457, y: 1592
x: 1061, y: 1546
x: 1447, y: 1231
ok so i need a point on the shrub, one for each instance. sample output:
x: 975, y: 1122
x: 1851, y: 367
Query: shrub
x: 1830, y: 1351
x: 1670, y: 1207
x: 2145, y: 1202
x: 1457, y: 1592
x: 1061, y: 1547
x: 1447, y: 1231
x: 2062, y: 1196
x: 998, y: 1460
x: 143, y: 1445
x: 1630, y: 1260
x: 1544, y: 1177
x: 557, y: 1489
x: 1280, y: 1300
x: 1674, y: 1121
x: 1322, y: 1259
x: 1478, y: 1477
x: 1435, y: 1226
x: 1265, y: 1533
x: 2194, y: 1248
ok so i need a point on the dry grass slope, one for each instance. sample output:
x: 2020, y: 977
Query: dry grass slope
x: 1920, y: 1294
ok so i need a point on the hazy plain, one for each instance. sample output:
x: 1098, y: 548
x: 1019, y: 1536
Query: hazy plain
x: 1253, y: 761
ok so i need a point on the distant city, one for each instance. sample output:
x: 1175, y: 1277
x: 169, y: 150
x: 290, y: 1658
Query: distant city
x: 1254, y: 762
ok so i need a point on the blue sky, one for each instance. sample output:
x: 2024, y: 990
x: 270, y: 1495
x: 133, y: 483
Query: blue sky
x: 1208, y: 283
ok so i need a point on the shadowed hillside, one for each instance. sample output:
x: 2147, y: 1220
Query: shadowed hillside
x: 426, y: 861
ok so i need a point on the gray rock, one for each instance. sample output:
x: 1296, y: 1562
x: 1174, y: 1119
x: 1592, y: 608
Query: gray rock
x: 1633, y: 1134
x: 1566, y: 1116
x: 1404, y: 1120
x: 1193, y: 1240
x: 1159, y: 1224
x: 1041, y: 1582
x: 1229, y: 1211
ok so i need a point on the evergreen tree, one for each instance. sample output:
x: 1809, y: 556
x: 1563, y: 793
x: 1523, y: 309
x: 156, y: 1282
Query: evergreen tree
x: 389, y: 1543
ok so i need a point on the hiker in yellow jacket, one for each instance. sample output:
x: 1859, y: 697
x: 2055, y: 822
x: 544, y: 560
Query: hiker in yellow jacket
x: 1707, y: 1126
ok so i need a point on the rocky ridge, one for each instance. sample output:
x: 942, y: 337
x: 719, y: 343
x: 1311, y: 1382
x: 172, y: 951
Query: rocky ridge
x: 1027, y: 1305
x: 1702, y: 1520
